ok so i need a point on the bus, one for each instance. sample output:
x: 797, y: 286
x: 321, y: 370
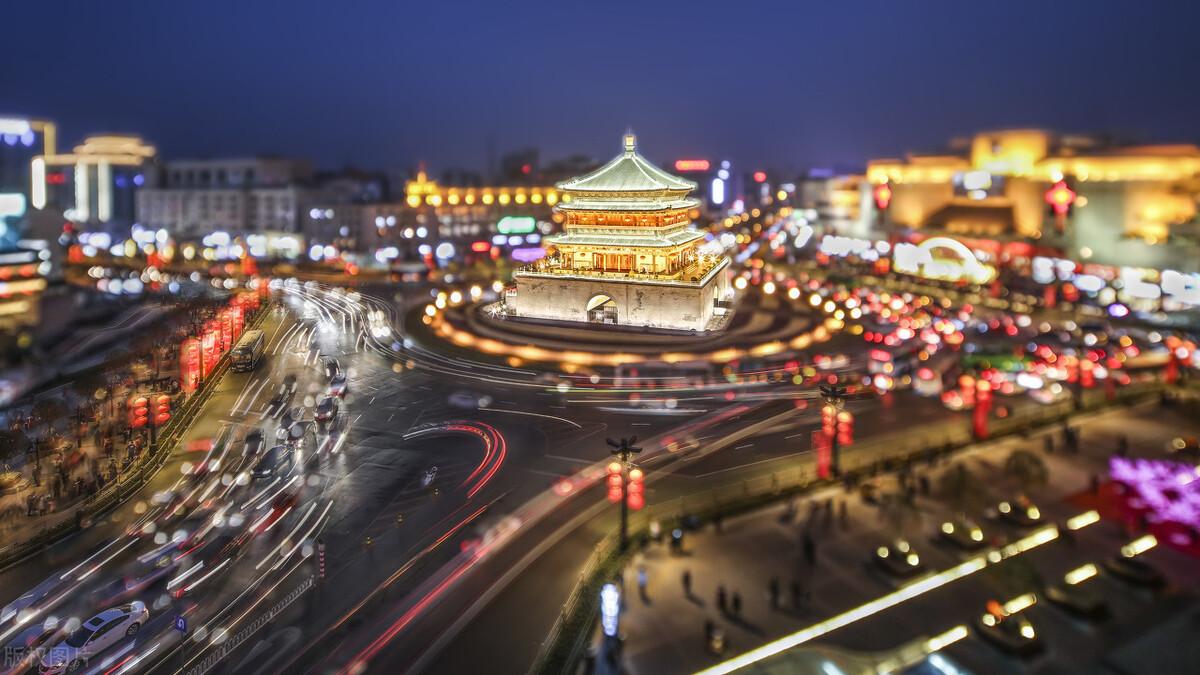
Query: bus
x: 249, y: 351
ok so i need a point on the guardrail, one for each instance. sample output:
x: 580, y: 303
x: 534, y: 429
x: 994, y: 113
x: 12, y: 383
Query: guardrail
x: 129, y: 481
x: 566, y: 642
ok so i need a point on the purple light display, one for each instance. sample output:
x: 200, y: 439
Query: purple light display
x: 1168, y: 491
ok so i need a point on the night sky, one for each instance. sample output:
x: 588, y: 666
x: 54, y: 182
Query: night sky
x: 773, y: 84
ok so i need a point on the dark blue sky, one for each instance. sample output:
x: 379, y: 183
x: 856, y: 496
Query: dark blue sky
x: 784, y: 84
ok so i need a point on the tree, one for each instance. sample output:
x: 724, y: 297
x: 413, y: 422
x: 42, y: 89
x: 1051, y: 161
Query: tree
x: 1026, y: 469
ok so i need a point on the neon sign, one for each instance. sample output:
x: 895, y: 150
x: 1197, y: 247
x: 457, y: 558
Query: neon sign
x: 691, y: 165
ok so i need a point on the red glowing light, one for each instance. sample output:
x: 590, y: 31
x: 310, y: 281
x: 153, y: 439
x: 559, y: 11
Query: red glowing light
x: 760, y: 176
x: 691, y: 165
x: 883, y: 195
x: 481, y: 247
x: 1060, y: 197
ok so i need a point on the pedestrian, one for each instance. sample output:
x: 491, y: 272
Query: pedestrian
x: 721, y: 601
x: 810, y: 549
x: 687, y: 582
x: 642, y: 580
x: 797, y: 596
x: 1048, y: 444
x: 1095, y: 484
x: 843, y: 514
x: 1122, y: 445
x: 737, y: 603
x: 773, y: 591
x: 709, y: 627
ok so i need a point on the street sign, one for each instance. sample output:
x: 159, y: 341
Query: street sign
x: 181, y: 623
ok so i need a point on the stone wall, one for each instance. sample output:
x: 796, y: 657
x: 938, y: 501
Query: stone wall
x: 638, y: 304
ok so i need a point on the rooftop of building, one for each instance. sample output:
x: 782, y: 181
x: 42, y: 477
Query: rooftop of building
x: 628, y: 172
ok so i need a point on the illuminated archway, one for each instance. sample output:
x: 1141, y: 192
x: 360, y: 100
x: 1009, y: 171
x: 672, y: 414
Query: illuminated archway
x: 919, y: 260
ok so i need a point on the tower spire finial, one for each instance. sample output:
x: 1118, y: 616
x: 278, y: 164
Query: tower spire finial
x: 630, y: 141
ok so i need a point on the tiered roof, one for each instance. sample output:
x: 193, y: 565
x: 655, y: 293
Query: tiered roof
x: 628, y: 183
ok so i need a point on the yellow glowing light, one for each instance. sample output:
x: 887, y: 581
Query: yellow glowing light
x: 1019, y: 603
x: 1080, y: 574
x: 504, y: 198
x: 413, y: 201
x: 1139, y: 546
x: 1083, y: 520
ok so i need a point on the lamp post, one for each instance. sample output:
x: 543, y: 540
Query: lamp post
x: 835, y: 397
x: 624, y: 449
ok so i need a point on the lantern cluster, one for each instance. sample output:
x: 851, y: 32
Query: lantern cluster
x: 633, y: 490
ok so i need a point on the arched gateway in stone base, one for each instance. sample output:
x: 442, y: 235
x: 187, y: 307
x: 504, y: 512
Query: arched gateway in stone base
x: 602, y: 309
x: 628, y: 254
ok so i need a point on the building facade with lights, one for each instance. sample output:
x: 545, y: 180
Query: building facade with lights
x: 194, y: 198
x: 1088, y: 197
x: 96, y: 183
x: 628, y: 254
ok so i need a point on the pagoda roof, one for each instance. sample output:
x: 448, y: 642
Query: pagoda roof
x: 603, y: 204
x: 628, y: 172
x: 649, y: 241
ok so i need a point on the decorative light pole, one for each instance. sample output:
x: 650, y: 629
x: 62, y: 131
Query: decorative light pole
x: 835, y: 400
x: 624, y: 450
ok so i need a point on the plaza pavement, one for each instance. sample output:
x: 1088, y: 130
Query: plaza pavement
x: 665, y: 629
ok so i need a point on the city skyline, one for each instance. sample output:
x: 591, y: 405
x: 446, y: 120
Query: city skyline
x: 389, y: 93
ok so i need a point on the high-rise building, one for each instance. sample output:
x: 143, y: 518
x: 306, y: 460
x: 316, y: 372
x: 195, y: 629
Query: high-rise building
x: 628, y: 255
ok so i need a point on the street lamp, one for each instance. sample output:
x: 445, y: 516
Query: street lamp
x: 835, y: 398
x: 624, y: 449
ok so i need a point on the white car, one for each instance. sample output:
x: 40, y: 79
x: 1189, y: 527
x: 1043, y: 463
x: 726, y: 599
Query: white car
x: 93, y: 637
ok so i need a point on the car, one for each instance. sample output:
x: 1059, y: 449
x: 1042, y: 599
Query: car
x: 332, y: 367
x: 1020, y: 511
x: 468, y: 400
x: 283, y: 502
x: 963, y: 533
x: 1134, y: 571
x: 291, y: 416
x: 278, y: 461
x: 93, y: 637
x: 1077, y: 599
x: 898, y: 558
x: 337, y: 385
x: 25, y: 650
x: 280, y: 398
x: 253, y: 443
x: 128, y: 586
x: 1007, y: 627
x: 327, y: 409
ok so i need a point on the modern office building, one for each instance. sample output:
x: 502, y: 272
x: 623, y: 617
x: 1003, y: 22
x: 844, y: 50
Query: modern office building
x: 1090, y: 198
x: 628, y: 255
x: 193, y: 198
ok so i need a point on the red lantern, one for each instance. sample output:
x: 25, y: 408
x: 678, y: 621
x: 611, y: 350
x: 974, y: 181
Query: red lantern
x: 883, y: 195
x: 637, y: 489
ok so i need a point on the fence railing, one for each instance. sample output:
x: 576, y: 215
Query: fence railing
x: 566, y: 642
